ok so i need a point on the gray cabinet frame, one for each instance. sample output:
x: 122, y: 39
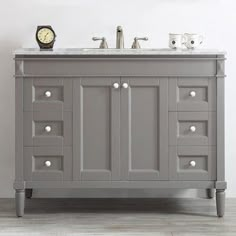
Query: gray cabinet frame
x: 70, y: 70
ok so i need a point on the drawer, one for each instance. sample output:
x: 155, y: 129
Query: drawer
x: 196, y: 94
x: 47, y: 128
x: 192, y: 128
x: 47, y: 163
x: 47, y: 94
x: 192, y: 163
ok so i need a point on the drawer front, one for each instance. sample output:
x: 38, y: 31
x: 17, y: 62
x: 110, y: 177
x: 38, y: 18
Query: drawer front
x: 47, y: 163
x: 47, y: 94
x: 47, y: 128
x: 194, y: 94
x: 192, y: 163
x: 192, y: 128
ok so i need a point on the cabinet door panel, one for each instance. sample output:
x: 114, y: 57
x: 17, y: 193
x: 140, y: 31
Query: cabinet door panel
x: 144, y: 135
x: 96, y: 129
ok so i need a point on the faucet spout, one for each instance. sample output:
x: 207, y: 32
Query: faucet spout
x: 119, y: 38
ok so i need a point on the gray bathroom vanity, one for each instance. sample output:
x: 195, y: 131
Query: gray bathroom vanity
x: 94, y: 118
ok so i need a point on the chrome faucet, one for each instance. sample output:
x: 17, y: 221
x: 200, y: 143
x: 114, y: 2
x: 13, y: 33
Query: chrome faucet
x: 119, y: 38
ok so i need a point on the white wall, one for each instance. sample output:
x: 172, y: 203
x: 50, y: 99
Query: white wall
x: 76, y: 21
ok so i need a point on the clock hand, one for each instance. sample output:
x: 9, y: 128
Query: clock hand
x: 46, y: 36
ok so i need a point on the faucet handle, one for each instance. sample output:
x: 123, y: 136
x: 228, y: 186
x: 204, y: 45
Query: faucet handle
x: 103, y: 41
x: 136, y: 44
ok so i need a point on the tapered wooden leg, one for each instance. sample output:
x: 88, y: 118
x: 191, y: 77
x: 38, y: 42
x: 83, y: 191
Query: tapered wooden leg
x: 28, y: 193
x: 20, y: 202
x: 220, y: 202
x: 210, y: 193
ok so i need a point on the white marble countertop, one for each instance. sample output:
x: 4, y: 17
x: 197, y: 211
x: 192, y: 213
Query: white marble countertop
x: 97, y: 51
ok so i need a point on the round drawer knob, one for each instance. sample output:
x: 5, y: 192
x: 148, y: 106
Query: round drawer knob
x: 48, y: 94
x: 48, y: 163
x: 192, y: 94
x: 48, y: 128
x: 192, y: 163
x: 116, y: 85
x: 192, y: 128
x: 125, y: 85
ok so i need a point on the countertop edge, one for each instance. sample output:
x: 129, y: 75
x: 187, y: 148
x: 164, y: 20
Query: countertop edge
x: 114, y: 52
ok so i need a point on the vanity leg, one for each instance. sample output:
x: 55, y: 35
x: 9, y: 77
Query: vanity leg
x: 210, y: 193
x: 220, y: 202
x: 28, y: 193
x: 20, y: 202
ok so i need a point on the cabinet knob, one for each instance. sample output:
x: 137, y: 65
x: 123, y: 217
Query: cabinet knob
x: 193, y: 128
x: 116, y: 85
x: 193, y: 94
x: 48, y: 163
x: 192, y: 163
x: 48, y: 94
x: 48, y: 128
x: 125, y: 85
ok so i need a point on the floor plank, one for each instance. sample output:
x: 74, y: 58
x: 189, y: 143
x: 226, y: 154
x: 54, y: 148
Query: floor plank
x: 83, y: 217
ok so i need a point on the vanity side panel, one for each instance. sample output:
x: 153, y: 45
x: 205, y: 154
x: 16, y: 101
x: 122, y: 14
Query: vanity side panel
x: 221, y: 120
x: 19, y: 163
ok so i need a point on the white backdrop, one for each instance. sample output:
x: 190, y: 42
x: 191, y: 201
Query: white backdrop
x: 77, y: 21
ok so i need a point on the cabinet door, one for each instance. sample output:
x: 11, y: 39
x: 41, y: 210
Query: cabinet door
x: 144, y: 129
x: 96, y: 129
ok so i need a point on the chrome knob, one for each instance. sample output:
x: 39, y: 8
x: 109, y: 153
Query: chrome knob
x: 193, y: 128
x: 48, y: 163
x: 193, y: 94
x: 48, y: 128
x: 192, y: 163
x: 125, y: 85
x: 116, y: 85
x: 48, y: 94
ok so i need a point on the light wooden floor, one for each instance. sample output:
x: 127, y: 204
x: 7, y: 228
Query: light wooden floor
x: 133, y: 217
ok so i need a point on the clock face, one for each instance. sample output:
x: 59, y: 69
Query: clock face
x: 45, y: 35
